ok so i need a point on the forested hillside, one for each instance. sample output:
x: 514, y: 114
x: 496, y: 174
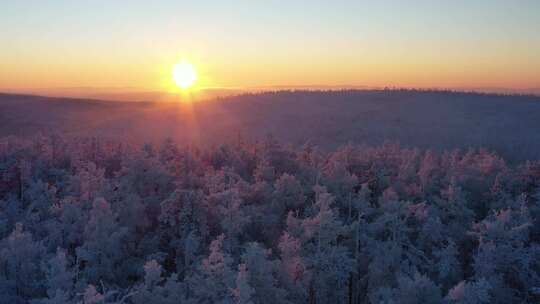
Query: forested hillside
x: 93, y: 221
x: 438, y: 120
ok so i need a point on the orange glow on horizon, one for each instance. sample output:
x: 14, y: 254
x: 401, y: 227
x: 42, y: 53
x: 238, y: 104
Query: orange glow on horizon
x: 156, y: 74
x: 257, y: 44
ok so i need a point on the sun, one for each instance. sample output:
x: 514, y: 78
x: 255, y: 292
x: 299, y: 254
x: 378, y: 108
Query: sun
x: 184, y: 74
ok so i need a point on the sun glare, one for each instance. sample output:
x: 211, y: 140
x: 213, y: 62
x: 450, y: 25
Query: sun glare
x: 184, y: 74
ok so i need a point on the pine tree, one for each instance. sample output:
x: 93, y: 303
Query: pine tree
x: 102, y: 252
x: 263, y: 275
x: 20, y: 272
x: 243, y: 292
x: 215, y: 278
x: 60, y: 278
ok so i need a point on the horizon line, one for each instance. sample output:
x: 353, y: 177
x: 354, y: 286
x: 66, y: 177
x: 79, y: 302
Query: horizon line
x: 134, y: 89
x: 239, y: 92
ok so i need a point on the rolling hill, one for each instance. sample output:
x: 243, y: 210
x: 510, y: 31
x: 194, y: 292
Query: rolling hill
x: 507, y: 124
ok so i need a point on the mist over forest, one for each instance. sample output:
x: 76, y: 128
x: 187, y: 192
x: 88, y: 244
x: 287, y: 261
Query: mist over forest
x: 439, y: 120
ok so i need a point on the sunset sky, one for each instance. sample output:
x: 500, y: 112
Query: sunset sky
x: 243, y: 44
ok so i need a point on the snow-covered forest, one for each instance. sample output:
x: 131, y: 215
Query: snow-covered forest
x: 86, y: 220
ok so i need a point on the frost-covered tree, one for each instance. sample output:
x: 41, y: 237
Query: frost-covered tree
x: 263, y: 275
x: 505, y: 258
x: 326, y: 258
x: 183, y: 221
x: 157, y: 289
x: 21, y: 276
x: 60, y: 281
x: 232, y: 218
x: 243, y: 292
x: 215, y: 278
x: 101, y: 255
